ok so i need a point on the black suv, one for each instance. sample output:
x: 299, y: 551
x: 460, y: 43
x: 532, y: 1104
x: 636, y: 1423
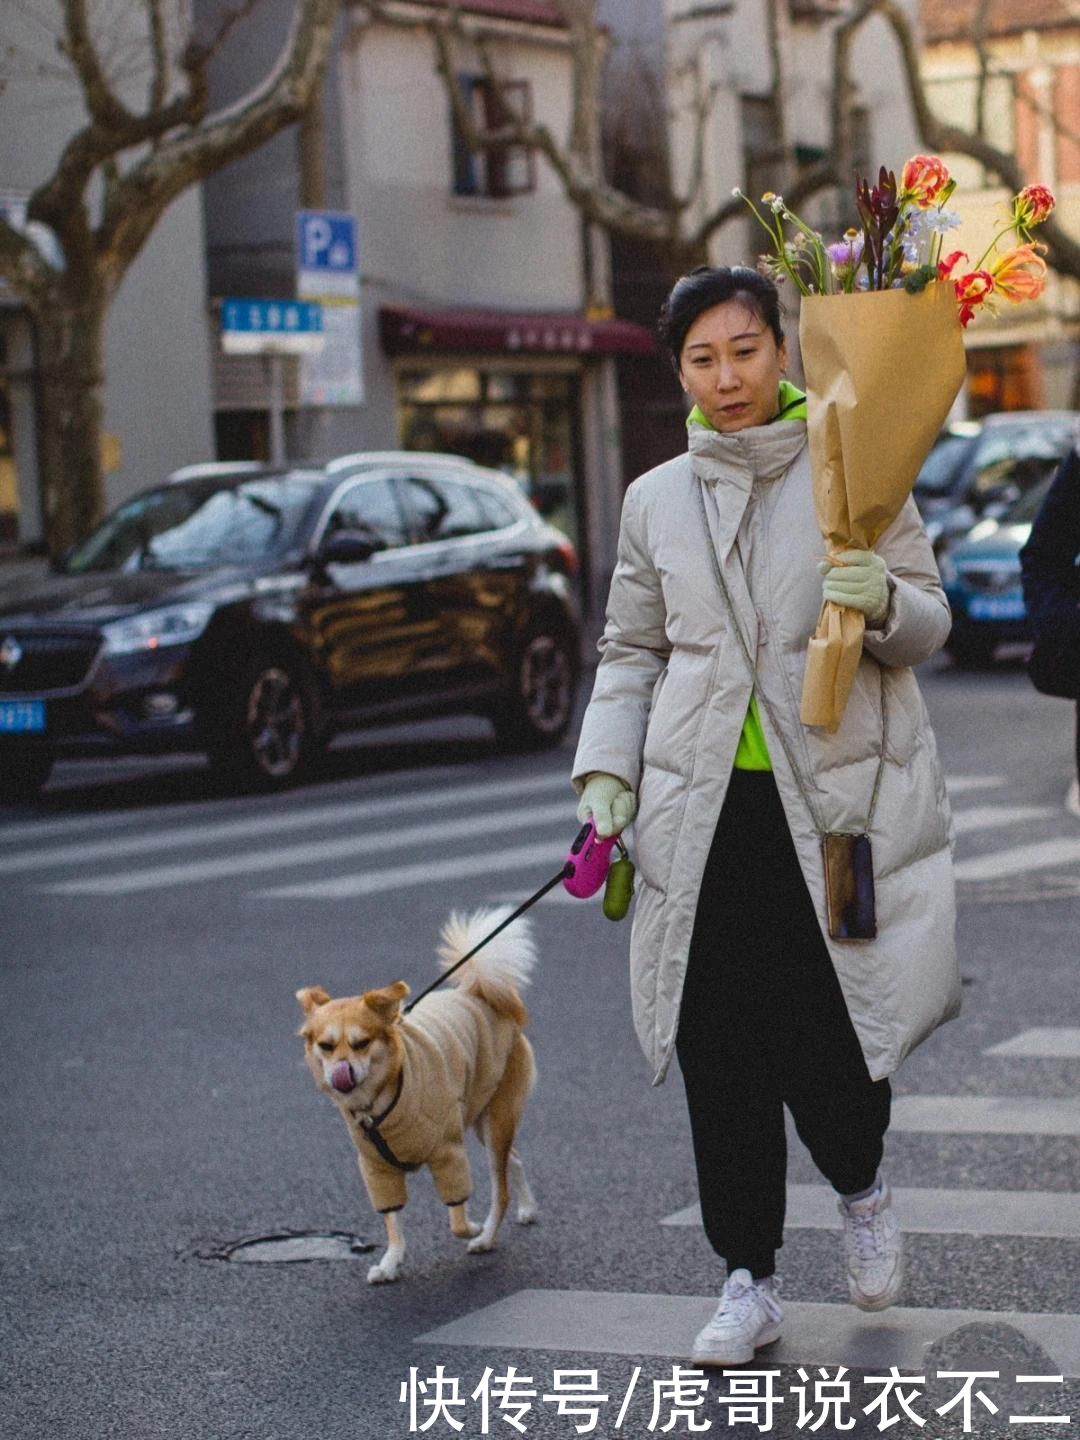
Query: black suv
x: 252, y: 614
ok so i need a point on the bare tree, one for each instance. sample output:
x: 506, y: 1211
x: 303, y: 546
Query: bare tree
x: 677, y: 224
x: 114, y: 179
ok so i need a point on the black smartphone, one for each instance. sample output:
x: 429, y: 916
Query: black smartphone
x: 849, y: 886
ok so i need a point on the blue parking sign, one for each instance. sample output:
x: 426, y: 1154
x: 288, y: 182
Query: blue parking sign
x: 326, y: 242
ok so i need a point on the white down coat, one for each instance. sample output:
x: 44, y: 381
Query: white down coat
x: 671, y: 694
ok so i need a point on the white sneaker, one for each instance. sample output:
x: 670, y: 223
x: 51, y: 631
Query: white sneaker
x: 874, y: 1247
x: 748, y: 1316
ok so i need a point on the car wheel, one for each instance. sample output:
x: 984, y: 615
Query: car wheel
x: 972, y: 652
x: 22, y: 775
x: 538, y: 710
x: 267, y: 741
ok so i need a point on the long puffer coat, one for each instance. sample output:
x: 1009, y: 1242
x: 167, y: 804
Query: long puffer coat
x: 671, y: 694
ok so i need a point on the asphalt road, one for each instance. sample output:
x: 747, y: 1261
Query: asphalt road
x: 156, y: 1111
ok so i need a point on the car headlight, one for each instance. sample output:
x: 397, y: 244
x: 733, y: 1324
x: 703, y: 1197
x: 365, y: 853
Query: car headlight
x: 174, y: 625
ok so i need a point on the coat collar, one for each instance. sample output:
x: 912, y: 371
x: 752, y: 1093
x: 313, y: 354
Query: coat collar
x: 761, y: 452
x: 729, y: 465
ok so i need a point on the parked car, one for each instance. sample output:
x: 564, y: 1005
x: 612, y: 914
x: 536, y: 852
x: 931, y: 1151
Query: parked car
x: 981, y: 576
x: 979, y: 468
x: 253, y: 615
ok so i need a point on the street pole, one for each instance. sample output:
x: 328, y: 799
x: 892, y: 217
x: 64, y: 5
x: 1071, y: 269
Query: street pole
x: 277, y: 409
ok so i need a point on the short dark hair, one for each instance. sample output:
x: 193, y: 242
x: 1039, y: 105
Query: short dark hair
x: 711, y: 285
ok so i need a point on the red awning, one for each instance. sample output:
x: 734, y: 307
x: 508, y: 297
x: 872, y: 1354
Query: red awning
x: 405, y: 330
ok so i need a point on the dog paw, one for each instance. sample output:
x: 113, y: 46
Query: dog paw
x: 382, y: 1275
x: 526, y: 1214
x: 471, y: 1228
x: 480, y: 1246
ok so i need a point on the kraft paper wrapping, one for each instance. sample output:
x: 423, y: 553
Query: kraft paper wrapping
x: 882, y: 370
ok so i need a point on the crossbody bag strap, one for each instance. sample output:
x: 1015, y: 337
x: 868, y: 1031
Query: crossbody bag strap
x: 745, y: 646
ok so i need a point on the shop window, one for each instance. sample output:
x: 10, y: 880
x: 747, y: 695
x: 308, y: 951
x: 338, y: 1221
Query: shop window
x: 9, y: 490
x: 430, y: 387
x: 532, y: 439
x: 497, y: 171
x: 1004, y: 377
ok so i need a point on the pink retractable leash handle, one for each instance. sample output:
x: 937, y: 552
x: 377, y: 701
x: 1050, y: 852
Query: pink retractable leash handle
x: 587, y: 861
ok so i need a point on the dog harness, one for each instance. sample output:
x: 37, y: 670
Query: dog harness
x: 368, y: 1126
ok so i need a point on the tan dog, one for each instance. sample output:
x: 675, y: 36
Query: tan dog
x: 410, y: 1086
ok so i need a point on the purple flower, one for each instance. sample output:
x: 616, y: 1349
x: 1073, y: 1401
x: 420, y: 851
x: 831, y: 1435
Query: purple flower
x: 846, y: 254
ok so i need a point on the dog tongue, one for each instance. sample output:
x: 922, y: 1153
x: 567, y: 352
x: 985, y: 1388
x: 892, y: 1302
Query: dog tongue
x: 341, y: 1077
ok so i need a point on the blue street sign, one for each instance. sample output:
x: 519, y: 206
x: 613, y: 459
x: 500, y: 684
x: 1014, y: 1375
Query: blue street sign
x: 253, y: 326
x: 326, y: 241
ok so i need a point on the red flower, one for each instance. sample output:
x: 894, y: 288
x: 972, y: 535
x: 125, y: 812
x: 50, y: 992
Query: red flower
x: 923, y: 179
x: 949, y: 264
x: 971, y: 290
x: 1032, y: 205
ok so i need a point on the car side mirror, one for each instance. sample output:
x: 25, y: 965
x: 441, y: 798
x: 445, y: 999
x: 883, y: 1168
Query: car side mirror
x: 347, y: 547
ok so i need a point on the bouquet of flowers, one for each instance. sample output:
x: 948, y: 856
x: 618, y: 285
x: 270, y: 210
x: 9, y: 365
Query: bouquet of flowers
x: 881, y: 303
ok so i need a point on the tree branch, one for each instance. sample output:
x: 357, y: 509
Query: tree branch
x: 137, y: 201
x: 104, y: 109
x: 159, y: 58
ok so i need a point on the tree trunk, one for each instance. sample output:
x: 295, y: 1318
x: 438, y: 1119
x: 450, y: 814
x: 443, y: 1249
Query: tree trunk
x: 70, y: 339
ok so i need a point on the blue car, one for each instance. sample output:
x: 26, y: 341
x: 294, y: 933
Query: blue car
x: 981, y: 576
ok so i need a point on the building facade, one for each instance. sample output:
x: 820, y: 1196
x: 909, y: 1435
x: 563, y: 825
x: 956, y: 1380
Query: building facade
x: 482, y: 298
x: 1024, y: 357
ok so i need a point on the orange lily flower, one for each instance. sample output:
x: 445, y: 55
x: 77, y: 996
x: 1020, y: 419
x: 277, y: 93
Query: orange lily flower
x: 1019, y: 274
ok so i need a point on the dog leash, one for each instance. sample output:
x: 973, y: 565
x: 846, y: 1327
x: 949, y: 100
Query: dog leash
x: 564, y: 873
x: 586, y: 867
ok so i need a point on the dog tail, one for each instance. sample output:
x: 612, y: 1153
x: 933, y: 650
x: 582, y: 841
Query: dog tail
x: 501, y: 968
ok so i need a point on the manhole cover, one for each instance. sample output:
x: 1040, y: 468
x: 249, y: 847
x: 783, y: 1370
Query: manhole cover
x: 285, y: 1247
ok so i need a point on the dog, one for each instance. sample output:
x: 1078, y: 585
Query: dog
x: 409, y: 1086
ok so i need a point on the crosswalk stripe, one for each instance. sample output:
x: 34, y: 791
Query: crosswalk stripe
x: 491, y: 862
x: 936, y: 1212
x: 991, y: 817
x: 318, y: 852
x: 105, y: 819
x: 1042, y: 1042
x: 275, y: 823
x: 570, y: 1321
x: 985, y: 1114
x: 1039, y: 855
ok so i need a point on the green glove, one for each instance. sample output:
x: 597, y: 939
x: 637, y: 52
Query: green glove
x: 608, y: 802
x: 861, y: 581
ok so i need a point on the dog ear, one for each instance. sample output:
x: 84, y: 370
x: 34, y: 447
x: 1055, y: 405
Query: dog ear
x: 386, y: 1003
x: 310, y: 997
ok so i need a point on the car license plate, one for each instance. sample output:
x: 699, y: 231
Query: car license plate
x: 22, y: 717
x: 997, y: 607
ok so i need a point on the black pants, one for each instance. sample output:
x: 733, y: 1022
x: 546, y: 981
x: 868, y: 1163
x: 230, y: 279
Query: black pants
x: 764, y: 1024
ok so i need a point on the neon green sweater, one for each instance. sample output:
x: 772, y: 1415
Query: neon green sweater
x: 752, y: 752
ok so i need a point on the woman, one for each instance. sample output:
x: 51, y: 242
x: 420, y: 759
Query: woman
x: 694, y: 727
